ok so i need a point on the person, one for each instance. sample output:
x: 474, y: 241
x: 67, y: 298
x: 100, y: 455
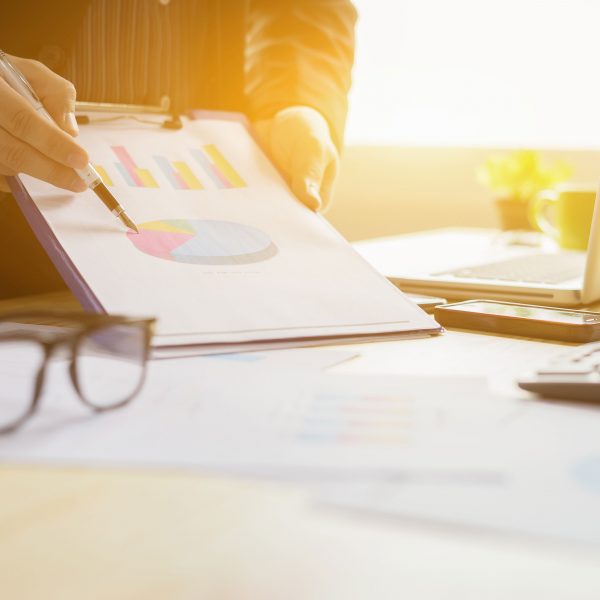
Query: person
x: 285, y: 63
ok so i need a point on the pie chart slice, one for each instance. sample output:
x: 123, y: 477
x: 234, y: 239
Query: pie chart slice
x: 203, y: 242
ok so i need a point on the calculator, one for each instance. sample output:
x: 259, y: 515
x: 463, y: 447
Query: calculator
x: 572, y: 375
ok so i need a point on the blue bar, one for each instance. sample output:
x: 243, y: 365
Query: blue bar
x: 125, y: 174
x: 166, y: 168
x: 207, y: 166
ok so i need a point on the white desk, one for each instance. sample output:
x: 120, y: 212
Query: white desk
x: 72, y: 533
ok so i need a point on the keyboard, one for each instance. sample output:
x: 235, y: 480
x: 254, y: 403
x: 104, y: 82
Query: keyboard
x: 548, y: 269
x: 573, y: 375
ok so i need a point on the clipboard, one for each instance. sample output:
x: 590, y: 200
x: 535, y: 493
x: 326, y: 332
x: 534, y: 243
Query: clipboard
x: 263, y: 270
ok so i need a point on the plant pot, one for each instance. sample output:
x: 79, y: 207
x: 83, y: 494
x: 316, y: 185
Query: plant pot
x: 513, y: 214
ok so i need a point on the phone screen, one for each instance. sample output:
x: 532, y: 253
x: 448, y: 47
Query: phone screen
x: 528, y: 312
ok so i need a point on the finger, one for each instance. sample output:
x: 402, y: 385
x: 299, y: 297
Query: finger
x: 56, y: 93
x: 308, y: 170
x: 18, y: 157
x: 307, y: 192
x: 60, y: 103
x: 19, y: 119
x: 328, y: 183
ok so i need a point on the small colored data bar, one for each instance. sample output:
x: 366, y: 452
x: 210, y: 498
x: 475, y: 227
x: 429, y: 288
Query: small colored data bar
x: 132, y: 174
x: 217, y: 167
x: 184, y: 171
x: 105, y: 176
x: 179, y: 174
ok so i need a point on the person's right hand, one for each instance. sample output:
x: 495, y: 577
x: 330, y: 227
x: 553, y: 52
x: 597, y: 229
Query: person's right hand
x: 31, y: 144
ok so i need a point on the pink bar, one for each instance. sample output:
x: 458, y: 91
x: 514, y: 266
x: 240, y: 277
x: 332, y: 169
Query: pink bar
x: 128, y: 163
x: 181, y: 181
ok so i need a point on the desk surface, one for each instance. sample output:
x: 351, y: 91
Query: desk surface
x: 75, y: 533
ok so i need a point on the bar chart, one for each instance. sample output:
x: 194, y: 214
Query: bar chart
x: 131, y: 173
x: 186, y: 169
x: 179, y: 174
x: 217, y: 167
x: 387, y: 419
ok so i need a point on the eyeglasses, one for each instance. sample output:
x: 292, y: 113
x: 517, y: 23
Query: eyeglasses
x: 108, y: 357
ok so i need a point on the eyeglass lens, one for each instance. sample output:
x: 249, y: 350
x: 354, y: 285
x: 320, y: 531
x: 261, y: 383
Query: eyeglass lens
x: 110, y: 364
x: 18, y: 377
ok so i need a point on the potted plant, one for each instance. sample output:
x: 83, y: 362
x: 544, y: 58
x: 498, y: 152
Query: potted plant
x: 516, y: 179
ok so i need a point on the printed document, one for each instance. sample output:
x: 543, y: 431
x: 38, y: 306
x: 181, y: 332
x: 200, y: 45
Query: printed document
x: 259, y: 416
x: 551, y: 487
x: 225, y: 253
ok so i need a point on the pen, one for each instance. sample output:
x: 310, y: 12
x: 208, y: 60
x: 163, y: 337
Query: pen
x: 90, y: 176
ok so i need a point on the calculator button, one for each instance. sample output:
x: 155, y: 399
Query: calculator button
x: 574, y: 374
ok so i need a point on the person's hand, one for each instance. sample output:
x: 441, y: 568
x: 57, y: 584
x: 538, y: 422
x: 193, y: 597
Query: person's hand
x: 31, y: 144
x: 299, y: 141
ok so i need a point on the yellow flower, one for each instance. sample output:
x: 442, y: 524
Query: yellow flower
x: 520, y: 175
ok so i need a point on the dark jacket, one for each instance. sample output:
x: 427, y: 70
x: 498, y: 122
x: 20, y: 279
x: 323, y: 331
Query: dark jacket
x: 275, y: 53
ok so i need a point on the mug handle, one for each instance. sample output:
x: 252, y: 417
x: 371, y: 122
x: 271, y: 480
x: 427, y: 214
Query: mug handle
x: 538, y: 212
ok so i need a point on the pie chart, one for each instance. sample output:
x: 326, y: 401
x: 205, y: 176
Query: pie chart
x: 203, y: 242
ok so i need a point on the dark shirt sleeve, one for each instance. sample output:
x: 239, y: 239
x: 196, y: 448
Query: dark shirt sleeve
x: 300, y: 52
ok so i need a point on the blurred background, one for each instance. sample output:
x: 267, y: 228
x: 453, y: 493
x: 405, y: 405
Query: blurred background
x: 440, y: 86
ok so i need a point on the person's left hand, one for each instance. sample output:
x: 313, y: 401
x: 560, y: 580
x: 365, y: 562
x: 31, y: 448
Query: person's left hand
x: 299, y: 141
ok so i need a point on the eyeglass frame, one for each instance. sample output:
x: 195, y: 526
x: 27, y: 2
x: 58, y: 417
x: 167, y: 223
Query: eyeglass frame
x: 88, y: 323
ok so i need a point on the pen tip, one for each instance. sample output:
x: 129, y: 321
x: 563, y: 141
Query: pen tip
x: 111, y: 203
x: 129, y: 223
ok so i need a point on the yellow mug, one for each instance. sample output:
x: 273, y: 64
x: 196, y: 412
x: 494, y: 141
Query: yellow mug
x: 573, y: 207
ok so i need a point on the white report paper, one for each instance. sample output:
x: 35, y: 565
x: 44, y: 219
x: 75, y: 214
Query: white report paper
x: 550, y: 489
x: 225, y: 254
x: 264, y: 415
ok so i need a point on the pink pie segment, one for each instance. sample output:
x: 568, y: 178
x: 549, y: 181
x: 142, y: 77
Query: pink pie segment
x: 158, y: 243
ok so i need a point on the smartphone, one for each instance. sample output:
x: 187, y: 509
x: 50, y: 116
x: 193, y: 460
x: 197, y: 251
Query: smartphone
x: 521, y: 320
x: 427, y: 303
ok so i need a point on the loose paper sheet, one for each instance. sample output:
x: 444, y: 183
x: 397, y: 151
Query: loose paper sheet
x: 239, y: 416
x: 226, y: 254
x: 551, y: 487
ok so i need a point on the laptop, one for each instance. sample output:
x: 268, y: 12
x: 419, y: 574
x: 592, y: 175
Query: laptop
x: 472, y: 263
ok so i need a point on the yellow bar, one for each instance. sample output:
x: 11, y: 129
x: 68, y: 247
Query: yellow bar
x: 146, y: 178
x: 224, y: 166
x: 105, y: 178
x: 187, y: 175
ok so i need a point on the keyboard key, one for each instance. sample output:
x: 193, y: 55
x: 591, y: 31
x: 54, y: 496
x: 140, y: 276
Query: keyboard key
x: 548, y: 269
